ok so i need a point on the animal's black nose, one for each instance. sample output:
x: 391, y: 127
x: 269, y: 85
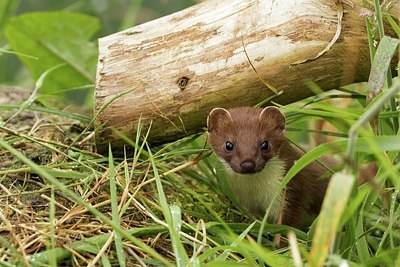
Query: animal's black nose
x: 247, y: 166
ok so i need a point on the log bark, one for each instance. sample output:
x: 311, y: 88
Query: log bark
x: 217, y: 54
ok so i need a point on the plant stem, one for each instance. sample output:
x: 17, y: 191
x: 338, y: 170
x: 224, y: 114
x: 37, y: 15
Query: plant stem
x: 367, y: 116
x: 379, y: 21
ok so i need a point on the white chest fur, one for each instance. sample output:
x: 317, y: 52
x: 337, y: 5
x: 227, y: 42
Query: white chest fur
x: 256, y: 191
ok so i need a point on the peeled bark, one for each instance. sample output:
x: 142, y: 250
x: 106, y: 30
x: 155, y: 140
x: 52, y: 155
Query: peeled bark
x: 217, y: 54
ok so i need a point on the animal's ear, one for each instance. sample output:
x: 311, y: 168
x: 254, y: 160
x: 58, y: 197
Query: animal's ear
x: 217, y: 119
x: 273, y: 116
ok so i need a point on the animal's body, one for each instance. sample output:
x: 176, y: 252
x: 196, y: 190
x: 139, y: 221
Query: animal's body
x: 251, y: 144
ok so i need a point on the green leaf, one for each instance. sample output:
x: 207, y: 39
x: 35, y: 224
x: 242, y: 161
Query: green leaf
x: 382, y: 143
x: 241, y: 237
x: 334, y: 204
x: 387, y: 258
x: 172, y: 216
x: 384, y: 53
x: 362, y: 244
x: 114, y: 209
x: 49, y: 111
x: 7, y: 8
x: 56, y: 38
x: 394, y: 25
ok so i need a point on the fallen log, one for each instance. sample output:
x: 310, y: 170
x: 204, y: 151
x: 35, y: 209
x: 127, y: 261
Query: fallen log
x: 224, y: 53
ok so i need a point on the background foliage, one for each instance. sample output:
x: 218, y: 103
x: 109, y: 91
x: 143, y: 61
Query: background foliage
x: 44, y: 34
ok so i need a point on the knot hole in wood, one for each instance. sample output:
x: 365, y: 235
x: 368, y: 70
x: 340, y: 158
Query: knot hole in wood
x: 182, y: 82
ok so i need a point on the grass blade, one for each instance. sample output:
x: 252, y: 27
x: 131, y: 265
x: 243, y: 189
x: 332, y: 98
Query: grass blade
x: 361, y: 243
x: 114, y: 210
x: 334, y: 204
x: 182, y: 258
x: 60, y: 186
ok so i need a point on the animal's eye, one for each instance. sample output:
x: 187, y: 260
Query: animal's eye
x: 264, y: 145
x: 229, y: 146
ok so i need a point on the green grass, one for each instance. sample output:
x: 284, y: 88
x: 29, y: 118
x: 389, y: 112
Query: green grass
x: 62, y: 204
x: 164, y: 205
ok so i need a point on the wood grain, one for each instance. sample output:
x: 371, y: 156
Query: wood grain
x: 185, y: 64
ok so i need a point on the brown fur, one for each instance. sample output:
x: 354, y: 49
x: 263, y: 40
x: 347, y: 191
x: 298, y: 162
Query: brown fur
x: 247, y: 128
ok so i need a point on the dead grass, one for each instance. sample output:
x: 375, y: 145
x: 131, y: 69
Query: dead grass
x: 25, y: 198
x: 39, y: 228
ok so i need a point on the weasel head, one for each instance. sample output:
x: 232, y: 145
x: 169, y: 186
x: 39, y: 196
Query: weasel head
x: 246, y: 138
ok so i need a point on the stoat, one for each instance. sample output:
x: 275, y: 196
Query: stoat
x: 251, y: 144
